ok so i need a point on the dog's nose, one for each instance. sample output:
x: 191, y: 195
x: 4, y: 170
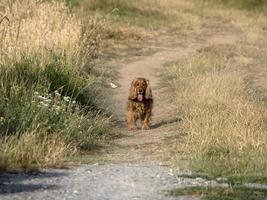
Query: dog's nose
x: 140, y: 91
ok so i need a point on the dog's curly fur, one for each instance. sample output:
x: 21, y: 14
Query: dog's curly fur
x: 140, y: 103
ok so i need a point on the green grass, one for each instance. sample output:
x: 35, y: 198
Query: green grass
x: 222, y: 193
x: 73, y: 3
x: 231, y: 180
x: 252, y: 5
x: 54, y: 99
x: 141, y: 13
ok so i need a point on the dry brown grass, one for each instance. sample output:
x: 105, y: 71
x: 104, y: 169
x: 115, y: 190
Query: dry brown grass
x: 43, y: 30
x: 223, y: 118
x: 33, y: 150
x: 37, y: 28
x: 226, y: 128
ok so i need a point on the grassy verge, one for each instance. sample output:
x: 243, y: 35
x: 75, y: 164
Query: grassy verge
x: 223, y: 117
x: 52, y: 98
x: 226, y: 128
x: 222, y: 193
x: 33, y: 150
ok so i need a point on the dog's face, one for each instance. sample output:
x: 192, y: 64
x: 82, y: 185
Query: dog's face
x: 140, y: 90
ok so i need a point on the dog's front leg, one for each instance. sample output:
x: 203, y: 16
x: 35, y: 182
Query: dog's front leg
x: 131, y: 120
x: 146, y: 121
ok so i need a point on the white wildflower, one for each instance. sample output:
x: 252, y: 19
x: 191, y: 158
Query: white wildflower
x: 57, y: 108
x: 57, y: 94
x: 41, y: 97
x: 67, y: 98
x: 44, y: 104
x: 48, y: 100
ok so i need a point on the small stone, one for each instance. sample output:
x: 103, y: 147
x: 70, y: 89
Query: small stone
x: 221, y: 179
x: 112, y: 85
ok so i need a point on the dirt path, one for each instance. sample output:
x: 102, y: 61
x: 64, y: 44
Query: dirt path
x: 146, y: 146
x: 149, y: 67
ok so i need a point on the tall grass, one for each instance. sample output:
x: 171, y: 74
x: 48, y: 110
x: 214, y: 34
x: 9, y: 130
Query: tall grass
x: 47, y: 97
x: 141, y: 13
x: 226, y: 128
x: 33, y: 150
x: 43, y: 31
x: 253, y: 5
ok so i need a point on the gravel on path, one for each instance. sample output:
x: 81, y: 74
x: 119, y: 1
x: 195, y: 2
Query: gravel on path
x: 96, y: 182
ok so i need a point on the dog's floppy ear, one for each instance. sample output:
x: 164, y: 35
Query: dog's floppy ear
x: 148, y: 90
x: 132, y: 92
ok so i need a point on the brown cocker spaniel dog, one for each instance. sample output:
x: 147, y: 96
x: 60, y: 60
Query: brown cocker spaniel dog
x: 140, y: 103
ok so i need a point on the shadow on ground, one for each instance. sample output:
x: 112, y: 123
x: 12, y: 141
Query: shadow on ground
x: 165, y: 122
x: 15, y: 182
x: 123, y: 123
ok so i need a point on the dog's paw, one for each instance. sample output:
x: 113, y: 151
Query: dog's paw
x: 145, y: 127
x: 131, y: 128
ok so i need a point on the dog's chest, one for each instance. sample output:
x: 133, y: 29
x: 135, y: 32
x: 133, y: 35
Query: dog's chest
x: 139, y: 107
